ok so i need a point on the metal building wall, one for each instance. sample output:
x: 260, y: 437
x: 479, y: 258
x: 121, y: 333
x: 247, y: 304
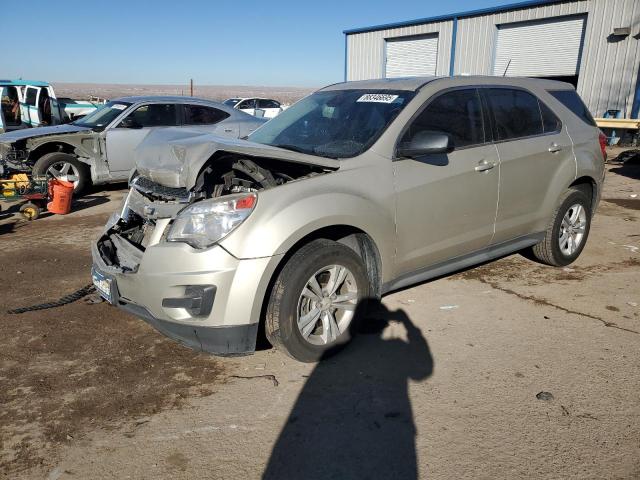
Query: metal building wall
x: 609, y: 70
x: 365, y: 51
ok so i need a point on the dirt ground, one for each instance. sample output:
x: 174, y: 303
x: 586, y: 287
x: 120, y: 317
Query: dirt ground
x: 508, y: 370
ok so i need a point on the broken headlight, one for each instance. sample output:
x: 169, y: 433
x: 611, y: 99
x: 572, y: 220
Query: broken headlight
x: 204, y: 223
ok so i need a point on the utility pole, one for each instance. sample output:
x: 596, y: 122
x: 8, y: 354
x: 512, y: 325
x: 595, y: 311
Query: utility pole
x: 192, y: 87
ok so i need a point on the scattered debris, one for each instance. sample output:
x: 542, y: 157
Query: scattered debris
x: 632, y: 304
x: 612, y: 308
x: 632, y: 248
x: 587, y: 415
x: 633, y: 195
x: 546, y: 396
x: 565, y: 411
x: 269, y: 377
x: 448, y: 307
x: 567, y: 269
x: 93, y: 299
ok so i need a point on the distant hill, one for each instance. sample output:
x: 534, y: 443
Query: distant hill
x: 286, y: 95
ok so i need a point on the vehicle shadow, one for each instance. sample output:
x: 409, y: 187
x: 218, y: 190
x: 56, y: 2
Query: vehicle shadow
x: 353, y: 418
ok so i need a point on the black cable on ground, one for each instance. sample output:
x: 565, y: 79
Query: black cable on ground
x: 72, y: 297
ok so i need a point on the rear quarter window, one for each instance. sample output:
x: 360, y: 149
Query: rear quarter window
x: 571, y: 100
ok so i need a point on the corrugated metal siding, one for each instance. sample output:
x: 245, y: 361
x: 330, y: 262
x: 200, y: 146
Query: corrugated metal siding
x: 365, y: 51
x: 412, y: 57
x: 608, y: 69
x: 545, y: 48
x: 476, y: 40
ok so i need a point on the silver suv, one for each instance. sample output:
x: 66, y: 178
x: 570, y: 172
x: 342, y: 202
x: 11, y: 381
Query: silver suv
x: 357, y: 190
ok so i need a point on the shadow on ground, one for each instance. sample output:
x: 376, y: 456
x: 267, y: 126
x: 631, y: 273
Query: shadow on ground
x: 353, y: 418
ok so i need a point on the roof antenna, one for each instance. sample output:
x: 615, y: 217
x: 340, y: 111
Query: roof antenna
x: 505, y: 70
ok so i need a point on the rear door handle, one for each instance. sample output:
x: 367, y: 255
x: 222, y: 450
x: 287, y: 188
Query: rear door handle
x: 483, y: 166
x: 554, y: 148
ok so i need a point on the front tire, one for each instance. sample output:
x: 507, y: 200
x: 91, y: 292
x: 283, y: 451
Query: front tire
x: 65, y: 167
x: 568, y: 230
x: 316, y: 300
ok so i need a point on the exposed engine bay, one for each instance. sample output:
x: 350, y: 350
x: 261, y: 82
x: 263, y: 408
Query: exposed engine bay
x: 235, y: 173
x: 150, y: 207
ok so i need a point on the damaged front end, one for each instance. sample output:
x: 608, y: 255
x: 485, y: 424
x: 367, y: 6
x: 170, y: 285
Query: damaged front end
x: 159, y: 259
x: 152, y: 212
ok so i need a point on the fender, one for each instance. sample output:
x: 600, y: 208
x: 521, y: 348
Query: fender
x: 284, y: 215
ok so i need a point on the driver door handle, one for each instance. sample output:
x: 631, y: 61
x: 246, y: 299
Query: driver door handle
x: 554, y: 148
x: 483, y: 166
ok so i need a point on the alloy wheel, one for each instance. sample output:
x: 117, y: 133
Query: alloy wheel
x: 572, y: 229
x: 327, y: 304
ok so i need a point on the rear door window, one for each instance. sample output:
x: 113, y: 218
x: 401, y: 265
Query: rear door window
x: 247, y: 104
x: 156, y: 115
x: 268, y: 104
x: 516, y: 113
x: 571, y: 100
x: 457, y: 113
x: 203, y: 115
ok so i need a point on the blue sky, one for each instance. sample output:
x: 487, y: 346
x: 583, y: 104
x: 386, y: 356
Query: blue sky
x: 282, y: 43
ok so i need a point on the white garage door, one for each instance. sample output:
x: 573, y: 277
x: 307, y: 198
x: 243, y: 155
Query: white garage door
x: 542, y: 49
x: 411, y: 57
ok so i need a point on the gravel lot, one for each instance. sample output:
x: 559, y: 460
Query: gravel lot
x: 508, y: 370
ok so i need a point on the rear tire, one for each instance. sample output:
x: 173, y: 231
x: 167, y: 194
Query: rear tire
x: 64, y: 162
x: 567, y: 233
x: 310, y: 320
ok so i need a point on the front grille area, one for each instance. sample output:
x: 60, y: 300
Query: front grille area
x: 150, y: 188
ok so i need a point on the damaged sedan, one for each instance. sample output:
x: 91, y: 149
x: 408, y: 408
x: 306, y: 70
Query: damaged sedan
x: 99, y: 148
x: 357, y: 190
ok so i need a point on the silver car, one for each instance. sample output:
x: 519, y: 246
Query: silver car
x: 357, y: 190
x: 99, y: 148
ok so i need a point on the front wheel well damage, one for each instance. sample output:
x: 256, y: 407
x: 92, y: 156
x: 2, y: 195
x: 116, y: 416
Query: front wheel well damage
x: 350, y: 236
x: 50, y: 147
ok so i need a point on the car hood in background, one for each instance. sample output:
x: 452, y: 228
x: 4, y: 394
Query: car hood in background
x: 174, y: 157
x: 40, y: 132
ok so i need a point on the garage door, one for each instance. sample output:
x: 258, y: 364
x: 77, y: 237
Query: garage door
x: 411, y: 57
x: 549, y: 48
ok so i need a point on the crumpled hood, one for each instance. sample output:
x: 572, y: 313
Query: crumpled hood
x: 40, y: 132
x: 173, y: 157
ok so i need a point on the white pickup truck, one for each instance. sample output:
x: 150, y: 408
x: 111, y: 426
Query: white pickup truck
x: 27, y: 103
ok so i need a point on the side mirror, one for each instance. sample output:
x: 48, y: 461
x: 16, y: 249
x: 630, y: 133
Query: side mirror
x: 129, y: 122
x: 426, y: 143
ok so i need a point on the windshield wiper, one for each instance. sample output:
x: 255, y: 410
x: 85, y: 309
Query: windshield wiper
x: 293, y: 148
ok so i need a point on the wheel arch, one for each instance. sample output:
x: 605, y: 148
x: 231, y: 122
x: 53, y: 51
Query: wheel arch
x: 590, y: 187
x: 353, y: 237
x: 51, y: 147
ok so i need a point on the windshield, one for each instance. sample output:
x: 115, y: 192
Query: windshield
x: 231, y: 102
x: 335, y: 124
x: 103, y: 116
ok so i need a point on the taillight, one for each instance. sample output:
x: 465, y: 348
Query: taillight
x: 603, y: 145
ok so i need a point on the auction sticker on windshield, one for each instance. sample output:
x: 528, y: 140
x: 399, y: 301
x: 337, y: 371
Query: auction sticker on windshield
x: 377, y: 98
x: 118, y: 106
